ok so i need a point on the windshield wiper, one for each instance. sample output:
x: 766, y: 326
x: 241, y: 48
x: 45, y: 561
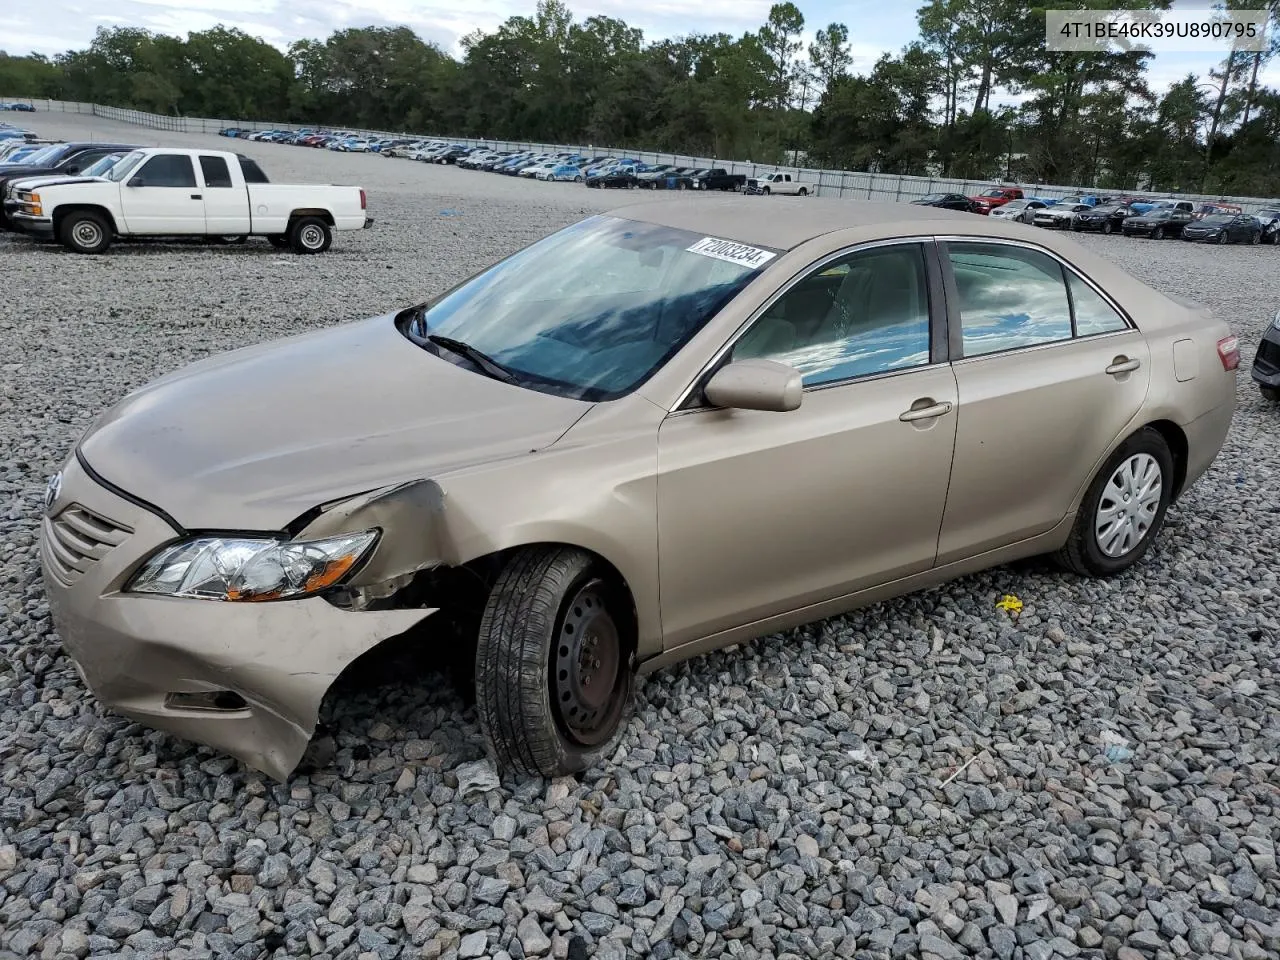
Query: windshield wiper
x: 478, y: 357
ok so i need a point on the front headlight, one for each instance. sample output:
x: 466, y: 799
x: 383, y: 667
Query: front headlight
x: 248, y: 569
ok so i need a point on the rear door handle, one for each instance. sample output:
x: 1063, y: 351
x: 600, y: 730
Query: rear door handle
x: 195, y: 196
x: 1123, y: 365
x: 925, y: 413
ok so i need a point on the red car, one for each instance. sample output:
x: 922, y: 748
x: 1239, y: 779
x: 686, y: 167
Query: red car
x: 986, y: 201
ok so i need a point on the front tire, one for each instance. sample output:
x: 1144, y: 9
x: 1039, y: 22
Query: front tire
x: 553, y: 663
x: 1107, y: 227
x: 1157, y: 233
x: 765, y: 191
x: 1124, y: 508
x: 310, y: 235
x: 85, y: 232
x: 1222, y: 237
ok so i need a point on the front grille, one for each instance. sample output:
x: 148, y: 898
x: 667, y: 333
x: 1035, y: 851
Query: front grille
x: 77, y: 538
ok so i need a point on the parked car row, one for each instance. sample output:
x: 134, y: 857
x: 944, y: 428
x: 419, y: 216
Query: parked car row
x: 18, y: 107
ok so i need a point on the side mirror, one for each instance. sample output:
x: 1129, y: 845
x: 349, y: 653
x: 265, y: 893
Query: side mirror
x: 756, y: 385
x: 137, y: 181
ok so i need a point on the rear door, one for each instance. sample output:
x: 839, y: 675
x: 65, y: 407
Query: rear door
x: 162, y: 197
x: 226, y: 202
x: 1049, y: 375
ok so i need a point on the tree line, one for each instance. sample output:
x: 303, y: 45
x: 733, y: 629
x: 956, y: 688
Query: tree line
x: 934, y: 108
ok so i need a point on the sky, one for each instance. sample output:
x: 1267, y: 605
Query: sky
x: 875, y: 26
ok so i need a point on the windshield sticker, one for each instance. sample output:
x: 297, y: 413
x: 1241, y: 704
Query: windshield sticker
x: 739, y: 253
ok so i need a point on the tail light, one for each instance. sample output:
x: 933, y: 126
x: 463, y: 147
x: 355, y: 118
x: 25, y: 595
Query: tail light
x: 364, y: 201
x: 1229, y: 352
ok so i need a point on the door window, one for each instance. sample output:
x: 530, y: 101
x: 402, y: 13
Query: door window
x: 1093, y: 314
x: 1010, y: 297
x: 865, y: 313
x: 168, y: 170
x: 216, y: 173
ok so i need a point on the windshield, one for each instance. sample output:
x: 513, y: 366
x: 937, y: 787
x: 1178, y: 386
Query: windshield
x: 993, y: 193
x: 44, y: 155
x: 1016, y: 204
x: 101, y: 166
x: 592, y: 311
x: 1217, y: 220
x: 1111, y: 208
x: 1164, y: 213
x: 1269, y: 214
x: 933, y: 198
x: 126, y: 163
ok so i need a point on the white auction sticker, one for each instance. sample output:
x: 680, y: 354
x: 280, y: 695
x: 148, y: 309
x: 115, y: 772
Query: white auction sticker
x: 732, y: 251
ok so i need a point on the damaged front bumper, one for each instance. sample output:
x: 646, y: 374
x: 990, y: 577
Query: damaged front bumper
x: 245, y: 678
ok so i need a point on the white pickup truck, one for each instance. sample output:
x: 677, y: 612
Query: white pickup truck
x: 778, y: 183
x: 164, y: 192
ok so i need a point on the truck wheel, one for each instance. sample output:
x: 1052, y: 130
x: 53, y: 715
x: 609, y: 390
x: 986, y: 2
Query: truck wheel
x: 278, y: 240
x: 310, y: 235
x: 804, y: 192
x: 85, y: 231
x: 553, y: 663
x: 765, y: 191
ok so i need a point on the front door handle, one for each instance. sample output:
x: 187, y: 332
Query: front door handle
x: 930, y: 412
x: 195, y: 196
x: 1123, y: 365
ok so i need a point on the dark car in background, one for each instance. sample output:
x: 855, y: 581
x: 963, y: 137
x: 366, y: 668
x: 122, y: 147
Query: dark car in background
x: 625, y: 176
x: 1269, y: 218
x: 947, y: 201
x: 1266, y: 364
x: 1157, y: 223
x: 1107, y: 218
x: 1224, y: 228
x: 61, y: 158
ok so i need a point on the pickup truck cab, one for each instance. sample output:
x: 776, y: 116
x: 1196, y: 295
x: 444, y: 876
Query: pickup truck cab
x: 988, y: 200
x: 717, y: 178
x: 782, y: 183
x: 165, y: 192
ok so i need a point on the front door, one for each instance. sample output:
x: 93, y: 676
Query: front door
x: 761, y: 513
x: 162, y: 198
x: 1049, y: 376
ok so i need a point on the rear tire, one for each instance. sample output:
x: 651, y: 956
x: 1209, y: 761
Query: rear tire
x: 84, y: 231
x: 554, y: 664
x: 1120, y: 516
x: 1270, y: 393
x: 310, y: 235
x: 804, y: 192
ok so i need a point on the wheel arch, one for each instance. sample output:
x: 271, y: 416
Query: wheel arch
x: 1179, y: 447
x: 320, y: 212
x: 62, y: 211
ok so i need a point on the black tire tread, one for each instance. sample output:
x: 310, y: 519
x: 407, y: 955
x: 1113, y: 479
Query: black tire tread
x: 513, y: 699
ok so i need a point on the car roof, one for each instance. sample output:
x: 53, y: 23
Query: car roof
x: 791, y: 222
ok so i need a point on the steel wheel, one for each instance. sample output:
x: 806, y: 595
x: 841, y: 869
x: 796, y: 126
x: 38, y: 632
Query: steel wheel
x: 586, y: 669
x: 311, y: 236
x: 1129, y: 505
x: 87, y: 233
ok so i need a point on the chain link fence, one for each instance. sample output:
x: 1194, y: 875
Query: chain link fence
x: 826, y: 183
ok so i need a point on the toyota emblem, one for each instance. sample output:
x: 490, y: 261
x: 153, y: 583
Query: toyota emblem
x: 51, y: 491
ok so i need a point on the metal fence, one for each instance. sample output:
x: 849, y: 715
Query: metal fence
x: 828, y: 183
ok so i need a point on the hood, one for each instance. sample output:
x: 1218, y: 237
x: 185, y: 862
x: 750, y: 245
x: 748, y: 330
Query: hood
x: 252, y: 439
x: 49, y: 180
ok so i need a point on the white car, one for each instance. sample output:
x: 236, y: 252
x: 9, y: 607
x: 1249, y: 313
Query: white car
x: 1021, y: 211
x: 165, y: 192
x: 1060, y: 215
x: 540, y: 171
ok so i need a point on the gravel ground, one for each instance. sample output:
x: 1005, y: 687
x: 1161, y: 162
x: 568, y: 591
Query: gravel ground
x: 926, y: 778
